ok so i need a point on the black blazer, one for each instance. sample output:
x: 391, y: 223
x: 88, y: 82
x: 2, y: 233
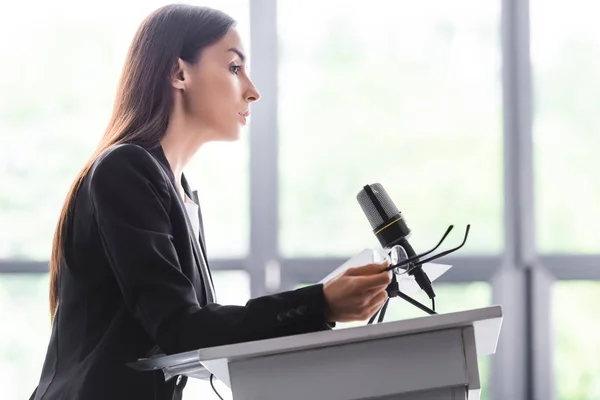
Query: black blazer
x: 132, y: 285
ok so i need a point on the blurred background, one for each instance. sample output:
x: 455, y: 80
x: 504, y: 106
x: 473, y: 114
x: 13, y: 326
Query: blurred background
x: 467, y: 111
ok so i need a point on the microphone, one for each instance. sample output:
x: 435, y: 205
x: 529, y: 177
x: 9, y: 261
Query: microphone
x: 390, y: 228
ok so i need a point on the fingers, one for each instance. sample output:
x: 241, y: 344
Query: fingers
x: 374, y: 290
x: 368, y: 269
x: 376, y: 281
x: 359, y: 292
x: 379, y: 298
x: 376, y: 297
x: 375, y: 303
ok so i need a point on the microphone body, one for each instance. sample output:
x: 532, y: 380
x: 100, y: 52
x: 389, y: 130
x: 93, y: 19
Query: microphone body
x: 390, y: 228
x: 420, y: 276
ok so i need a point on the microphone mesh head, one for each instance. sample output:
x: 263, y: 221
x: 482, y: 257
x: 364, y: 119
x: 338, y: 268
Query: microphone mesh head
x: 373, y: 215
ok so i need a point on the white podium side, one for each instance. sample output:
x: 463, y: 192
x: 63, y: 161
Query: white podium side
x: 427, y: 358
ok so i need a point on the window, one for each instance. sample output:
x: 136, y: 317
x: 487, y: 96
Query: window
x: 25, y: 322
x: 408, y: 94
x: 403, y: 93
x: 220, y: 174
x: 577, y: 343
x: 566, y: 62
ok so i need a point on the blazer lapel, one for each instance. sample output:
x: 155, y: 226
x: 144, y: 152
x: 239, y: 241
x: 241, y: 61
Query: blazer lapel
x: 194, y: 196
x: 199, y: 253
x: 202, y: 242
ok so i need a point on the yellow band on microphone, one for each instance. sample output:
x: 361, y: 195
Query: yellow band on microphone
x: 391, y: 223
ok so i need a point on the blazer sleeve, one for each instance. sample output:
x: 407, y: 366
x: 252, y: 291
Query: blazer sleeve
x: 131, y: 201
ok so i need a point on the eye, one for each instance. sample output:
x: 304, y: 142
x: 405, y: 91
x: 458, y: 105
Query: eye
x: 235, y: 69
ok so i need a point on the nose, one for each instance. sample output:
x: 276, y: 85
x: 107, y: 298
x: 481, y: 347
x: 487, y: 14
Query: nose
x: 252, y: 94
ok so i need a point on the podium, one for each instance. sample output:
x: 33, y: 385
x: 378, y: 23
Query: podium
x: 427, y: 358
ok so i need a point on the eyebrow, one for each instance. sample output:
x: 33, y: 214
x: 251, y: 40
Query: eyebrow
x: 239, y: 53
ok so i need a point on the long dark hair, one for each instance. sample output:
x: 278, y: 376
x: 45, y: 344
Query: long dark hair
x: 145, y: 96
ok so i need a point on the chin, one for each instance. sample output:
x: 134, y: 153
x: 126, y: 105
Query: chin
x: 230, y: 136
x: 227, y: 133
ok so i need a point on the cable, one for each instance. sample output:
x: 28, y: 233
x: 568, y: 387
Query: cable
x: 382, y: 311
x: 213, y: 386
x: 373, y: 317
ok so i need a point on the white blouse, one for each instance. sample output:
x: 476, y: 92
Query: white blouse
x: 192, y: 210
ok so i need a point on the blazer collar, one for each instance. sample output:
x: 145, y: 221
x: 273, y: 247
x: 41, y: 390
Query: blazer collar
x: 159, y: 153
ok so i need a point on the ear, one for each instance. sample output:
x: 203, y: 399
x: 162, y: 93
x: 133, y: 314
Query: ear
x: 179, y: 75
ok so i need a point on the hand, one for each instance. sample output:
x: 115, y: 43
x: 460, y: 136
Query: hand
x: 356, y: 294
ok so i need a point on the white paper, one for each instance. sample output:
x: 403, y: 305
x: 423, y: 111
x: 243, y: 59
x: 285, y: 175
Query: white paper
x: 406, y: 283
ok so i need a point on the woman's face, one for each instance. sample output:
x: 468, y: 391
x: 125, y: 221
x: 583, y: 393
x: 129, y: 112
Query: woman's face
x: 217, y: 91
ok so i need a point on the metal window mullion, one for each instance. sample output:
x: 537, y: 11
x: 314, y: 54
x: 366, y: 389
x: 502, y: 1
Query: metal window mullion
x: 16, y: 266
x: 468, y: 268
x: 522, y: 368
x: 8, y: 266
x: 263, y: 146
x: 510, y: 370
x: 572, y: 266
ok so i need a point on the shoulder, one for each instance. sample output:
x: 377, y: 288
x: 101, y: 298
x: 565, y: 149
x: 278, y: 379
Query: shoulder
x: 122, y: 155
x: 125, y: 163
x: 123, y: 158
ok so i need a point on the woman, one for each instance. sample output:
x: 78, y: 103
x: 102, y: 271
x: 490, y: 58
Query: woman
x: 129, y: 277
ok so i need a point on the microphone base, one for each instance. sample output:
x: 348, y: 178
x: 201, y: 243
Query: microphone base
x: 393, y: 291
x: 416, y: 303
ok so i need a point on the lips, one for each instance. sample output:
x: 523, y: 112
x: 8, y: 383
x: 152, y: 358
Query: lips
x: 244, y: 115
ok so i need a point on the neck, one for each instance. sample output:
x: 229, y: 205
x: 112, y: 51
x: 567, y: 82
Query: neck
x: 180, y: 143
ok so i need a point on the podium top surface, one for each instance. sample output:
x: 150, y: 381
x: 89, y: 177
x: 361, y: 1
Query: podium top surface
x: 486, y: 322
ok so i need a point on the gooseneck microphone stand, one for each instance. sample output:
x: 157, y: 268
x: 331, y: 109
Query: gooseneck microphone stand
x: 400, y: 267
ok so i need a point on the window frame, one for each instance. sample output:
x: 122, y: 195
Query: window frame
x: 521, y: 279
